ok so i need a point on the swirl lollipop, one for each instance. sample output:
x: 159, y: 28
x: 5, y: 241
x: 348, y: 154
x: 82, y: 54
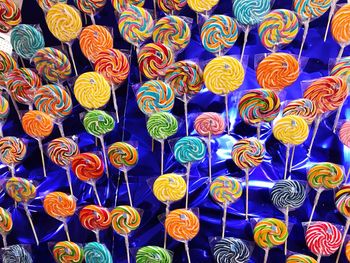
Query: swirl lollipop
x: 278, y: 29
x: 66, y: 251
x: 12, y: 152
x: 94, y: 39
x: 223, y: 75
x: 90, y: 7
x: 171, y: 6
x: 291, y: 130
x: 5, y: 224
x: 300, y: 258
x: 124, y: 220
x: 114, y: 67
x: 186, y: 79
x: 182, y: 225
x: 328, y: 94
x: 308, y: 10
x: 88, y: 167
x: 124, y: 157
x: 247, y: 154
x: 231, y: 249
x: 323, y: 239
x: 16, y: 253
x: 95, y: 218
x: 322, y: 177
x: 60, y: 206
x: 347, y: 251
x: 4, y: 112
x: 160, y: 126
x: 22, y: 191
x: 187, y: 150
x: 225, y: 191
x: 202, y: 6
x: 268, y: 233
x: 7, y: 63
x: 209, y: 124
x: 219, y: 33
x: 52, y: 64
x: 95, y: 252
x: 98, y: 123
x: 169, y: 188
x: 10, y: 15
x: 288, y: 195
x: 339, y: 28
x: 65, y: 24
x: 38, y: 125
x: 153, y: 254
x: 55, y: 101
x: 277, y: 71
x: 121, y: 5
x: 258, y: 106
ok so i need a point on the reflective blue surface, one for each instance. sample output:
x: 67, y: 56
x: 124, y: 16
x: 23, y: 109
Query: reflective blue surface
x: 327, y: 148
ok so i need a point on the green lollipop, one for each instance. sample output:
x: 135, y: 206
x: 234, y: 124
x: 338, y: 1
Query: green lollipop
x: 153, y: 254
x: 160, y: 126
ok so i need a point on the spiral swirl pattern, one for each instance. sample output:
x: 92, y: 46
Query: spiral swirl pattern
x: 223, y: 75
x: 169, y: 188
x: 4, y: 108
x: 98, y: 123
x: 250, y: 12
x: 10, y: 15
x: 270, y: 232
x: 189, y: 149
x: 291, y: 130
x: 342, y: 69
x: 289, y: 194
x: 89, y: 6
x: 125, y: 219
x: 340, y: 25
x: 300, y: 258
x: 169, y: 6
x: 122, y: 155
x: 6, y: 223
x: 37, y: 124
x: 325, y: 176
x: 311, y: 9
x: 7, y: 63
x: 200, y: 6
x: 342, y: 200
x: 62, y: 150
x: 347, y: 250
x: 304, y: 108
x: 121, y: 5
x: 162, y: 125
x: 225, y: 190
x: 87, y: 166
x: 95, y: 218
x: 209, y: 123
x: 229, y: 249
x: 16, y: 253
x: 151, y: 254
x: 248, y: 153
x: 12, y: 150
x: 20, y: 189
x: 182, y: 224
x: 66, y: 251
x: 59, y: 205
x: 344, y: 133
x: 95, y: 252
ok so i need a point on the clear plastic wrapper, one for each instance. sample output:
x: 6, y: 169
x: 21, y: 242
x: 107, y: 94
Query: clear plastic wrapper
x: 5, y: 44
x: 6, y: 226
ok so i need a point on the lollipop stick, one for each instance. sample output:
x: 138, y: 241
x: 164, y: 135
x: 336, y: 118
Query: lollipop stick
x: 187, y: 252
x: 69, y: 180
x: 266, y: 255
x: 246, y: 193
x: 286, y: 218
x: 1, y: 133
x: 165, y: 233
x: 155, y: 9
x: 30, y: 106
x: 115, y: 103
x: 15, y: 106
x: 209, y: 153
x: 347, y: 176
x: 85, y: 18
x: 258, y: 131
x: 162, y: 157
x: 185, y: 106
x: 227, y: 116
x: 4, y: 240
x: 60, y: 128
x: 188, y: 168
x: 72, y: 57
x: 336, y: 120
x: 96, y: 193
x: 104, y: 154
x: 65, y: 225
x: 317, y: 124
x: 42, y: 156
x: 291, y: 159
x: 306, y: 29
x: 340, y: 54
x: 286, y: 165
x: 25, y: 205
x: 314, y: 207
x: 319, y: 258
x: 97, y: 233
x: 127, y: 248
x: 92, y: 19
x: 12, y: 170
x: 127, y: 186
x: 331, y: 12
x: 62, y: 46
x: 246, y: 33
x: 22, y: 62
x: 224, y: 220
x: 346, y: 229
x: 152, y: 147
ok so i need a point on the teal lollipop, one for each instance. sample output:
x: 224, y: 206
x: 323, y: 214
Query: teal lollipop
x: 95, y: 252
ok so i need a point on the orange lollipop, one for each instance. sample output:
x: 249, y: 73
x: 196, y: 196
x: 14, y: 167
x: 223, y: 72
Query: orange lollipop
x: 340, y: 28
x: 60, y: 206
x: 38, y: 125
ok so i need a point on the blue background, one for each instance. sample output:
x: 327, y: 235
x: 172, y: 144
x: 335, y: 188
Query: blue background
x: 326, y: 148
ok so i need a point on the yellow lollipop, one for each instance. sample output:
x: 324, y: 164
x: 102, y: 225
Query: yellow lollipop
x: 201, y: 6
x: 169, y: 188
x: 92, y: 90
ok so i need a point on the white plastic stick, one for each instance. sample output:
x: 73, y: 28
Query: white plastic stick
x: 292, y: 159
x: 42, y: 156
x: 115, y: 104
x: 224, y: 220
x: 286, y: 164
x: 167, y: 208
x: 336, y: 120
x: 210, y: 155
x: 93, y: 19
x: 72, y: 57
x: 227, y: 114
x: 246, y: 193
x: 246, y: 33
x: 187, y: 252
x: 186, y: 113
x: 60, y: 128
x: 286, y: 219
x: 104, y: 154
x: 4, y: 240
x: 97, y: 233
x: 317, y: 124
x: 65, y: 225
x: 25, y: 205
x: 314, y: 206
x: 69, y: 180
x: 128, y: 187
x: 162, y: 157
x: 127, y: 248
x: 96, y: 193
x: 258, y: 131
x: 266, y: 255
x: 188, y: 169
x: 341, y: 51
x: 306, y: 29
x: 331, y: 12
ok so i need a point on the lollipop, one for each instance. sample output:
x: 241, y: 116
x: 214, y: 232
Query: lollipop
x: 135, y: 25
x: 171, y: 6
x: 5, y: 224
x: 308, y: 10
x: 202, y: 6
x: 330, y: 15
x: 187, y: 150
x: 219, y: 33
x: 16, y: 253
x: 153, y: 254
x: 258, y: 106
x: 173, y: 32
x: 300, y: 258
x: 160, y: 126
x: 88, y: 167
x: 323, y: 239
x: 91, y: 90
x: 121, y: 5
x: 250, y: 13
x: 10, y: 15
x: 95, y: 218
x: 328, y: 94
x: 45, y: 5
x: 347, y: 251
x: 38, y: 125
x: 65, y: 24
x: 231, y: 249
x: 124, y: 157
x: 95, y: 252
x: 98, y: 123
x: 247, y: 154
x: 7, y: 63
x: 278, y: 29
x: 90, y: 7
x: 124, y: 220
x: 291, y: 130
x: 182, y: 225
x: 55, y: 101
x: 225, y: 191
x: 52, y: 64
x: 223, y: 75
x: 66, y: 251
x: 304, y: 108
x: 340, y: 27
x: 4, y: 112
x: 186, y: 79
x: 60, y: 206
x: 288, y: 195
x: 277, y: 71
x: 209, y: 124
x: 268, y: 233
x: 321, y: 177
x: 12, y: 152
x: 22, y: 190
x: 94, y: 39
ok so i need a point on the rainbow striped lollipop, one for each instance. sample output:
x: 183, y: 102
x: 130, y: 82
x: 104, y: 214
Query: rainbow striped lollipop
x: 6, y: 224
